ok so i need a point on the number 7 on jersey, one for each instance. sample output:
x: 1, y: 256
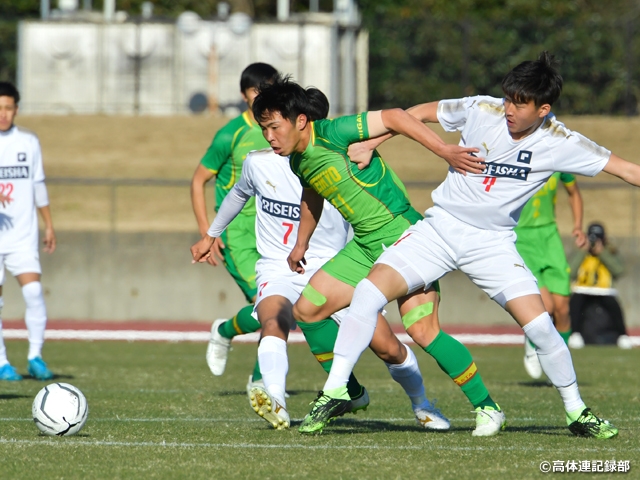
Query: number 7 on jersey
x: 288, y: 232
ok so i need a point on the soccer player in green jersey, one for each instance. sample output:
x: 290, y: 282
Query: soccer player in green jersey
x: 541, y: 248
x: 374, y: 201
x: 223, y: 160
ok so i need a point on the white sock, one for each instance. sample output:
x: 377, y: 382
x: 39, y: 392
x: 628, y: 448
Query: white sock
x: 355, y: 332
x: 555, y: 359
x: 274, y: 365
x: 3, y: 350
x: 408, y: 375
x: 35, y: 317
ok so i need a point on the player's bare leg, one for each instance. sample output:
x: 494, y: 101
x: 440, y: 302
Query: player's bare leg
x: 276, y: 319
x: 36, y: 320
x: 529, y: 311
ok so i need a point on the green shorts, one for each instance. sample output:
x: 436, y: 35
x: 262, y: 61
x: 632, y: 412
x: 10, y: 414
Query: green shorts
x: 240, y: 254
x: 542, y: 251
x: 353, y: 262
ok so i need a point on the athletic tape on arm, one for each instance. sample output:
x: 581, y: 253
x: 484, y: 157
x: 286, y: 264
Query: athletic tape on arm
x: 415, y: 314
x: 314, y: 296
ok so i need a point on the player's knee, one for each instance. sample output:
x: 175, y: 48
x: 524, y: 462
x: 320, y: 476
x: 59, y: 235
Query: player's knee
x: 275, y: 326
x: 305, y: 313
x: 32, y: 293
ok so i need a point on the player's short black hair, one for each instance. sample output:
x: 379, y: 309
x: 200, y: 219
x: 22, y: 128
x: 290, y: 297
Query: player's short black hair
x: 283, y: 96
x: 255, y: 74
x: 8, y: 89
x: 318, y: 104
x: 536, y: 80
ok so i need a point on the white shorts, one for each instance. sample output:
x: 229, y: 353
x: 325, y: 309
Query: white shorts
x: 19, y: 262
x: 441, y: 243
x: 275, y: 278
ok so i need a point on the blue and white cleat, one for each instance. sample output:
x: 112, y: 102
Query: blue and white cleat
x: 9, y: 374
x: 38, y: 369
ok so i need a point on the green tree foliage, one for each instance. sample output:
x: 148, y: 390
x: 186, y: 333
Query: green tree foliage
x: 422, y: 50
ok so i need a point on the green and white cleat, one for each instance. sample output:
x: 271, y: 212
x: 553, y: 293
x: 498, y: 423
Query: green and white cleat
x: 489, y: 421
x: 327, y: 406
x: 360, y: 402
x: 431, y: 418
x: 268, y: 408
x: 588, y: 425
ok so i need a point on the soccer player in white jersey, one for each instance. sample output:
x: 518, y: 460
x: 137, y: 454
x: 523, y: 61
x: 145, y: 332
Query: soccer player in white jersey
x: 268, y: 177
x: 22, y: 191
x: 470, y: 226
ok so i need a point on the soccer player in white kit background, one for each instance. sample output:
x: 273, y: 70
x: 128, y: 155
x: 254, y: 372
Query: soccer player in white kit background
x: 22, y: 191
x: 268, y: 177
x: 470, y: 226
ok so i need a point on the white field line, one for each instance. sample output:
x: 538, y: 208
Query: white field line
x: 69, y: 442
x: 294, y: 337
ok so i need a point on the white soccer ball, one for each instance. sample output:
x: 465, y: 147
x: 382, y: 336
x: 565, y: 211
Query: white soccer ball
x: 60, y: 409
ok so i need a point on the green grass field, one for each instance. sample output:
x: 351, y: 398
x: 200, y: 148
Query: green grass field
x: 157, y: 412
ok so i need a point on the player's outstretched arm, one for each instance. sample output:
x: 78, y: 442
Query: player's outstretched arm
x: 425, y: 112
x: 399, y: 121
x: 311, y: 205
x: 621, y: 168
x: 575, y: 202
x: 198, y: 200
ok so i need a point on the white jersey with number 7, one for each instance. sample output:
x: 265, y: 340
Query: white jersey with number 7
x: 267, y: 176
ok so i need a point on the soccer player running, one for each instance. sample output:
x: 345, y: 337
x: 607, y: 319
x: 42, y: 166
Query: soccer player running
x: 540, y: 246
x: 470, y: 227
x: 374, y: 201
x: 22, y: 192
x: 224, y: 160
x: 267, y: 176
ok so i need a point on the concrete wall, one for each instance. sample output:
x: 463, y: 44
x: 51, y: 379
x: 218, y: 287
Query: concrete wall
x: 136, y: 276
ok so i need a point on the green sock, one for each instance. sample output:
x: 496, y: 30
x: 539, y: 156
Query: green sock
x: 455, y: 360
x: 242, y: 323
x: 257, y: 374
x: 321, y: 337
x: 565, y: 336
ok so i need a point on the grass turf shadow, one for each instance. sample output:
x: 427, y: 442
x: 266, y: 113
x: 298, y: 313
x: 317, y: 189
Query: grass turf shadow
x: 12, y: 396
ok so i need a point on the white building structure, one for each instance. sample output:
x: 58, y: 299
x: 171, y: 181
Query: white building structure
x: 150, y: 67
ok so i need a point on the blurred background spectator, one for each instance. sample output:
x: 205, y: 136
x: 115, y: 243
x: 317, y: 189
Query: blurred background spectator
x: 596, y: 316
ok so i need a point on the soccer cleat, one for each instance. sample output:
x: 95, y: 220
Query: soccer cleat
x: 430, y: 417
x: 218, y: 349
x: 489, y: 421
x: 258, y: 383
x: 576, y: 341
x: 624, y: 342
x: 251, y: 384
x: 531, y: 361
x: 268, y: 408
x: 8, y: 373
x: 588, y: 425
x: 38, y: 369
x: 326, y: 407
x: 360, y: 402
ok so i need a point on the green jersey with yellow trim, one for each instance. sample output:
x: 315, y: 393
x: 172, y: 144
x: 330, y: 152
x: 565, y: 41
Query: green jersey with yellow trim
x: 227, y: 153
x: 541, y: 208
x: 368, y: 198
